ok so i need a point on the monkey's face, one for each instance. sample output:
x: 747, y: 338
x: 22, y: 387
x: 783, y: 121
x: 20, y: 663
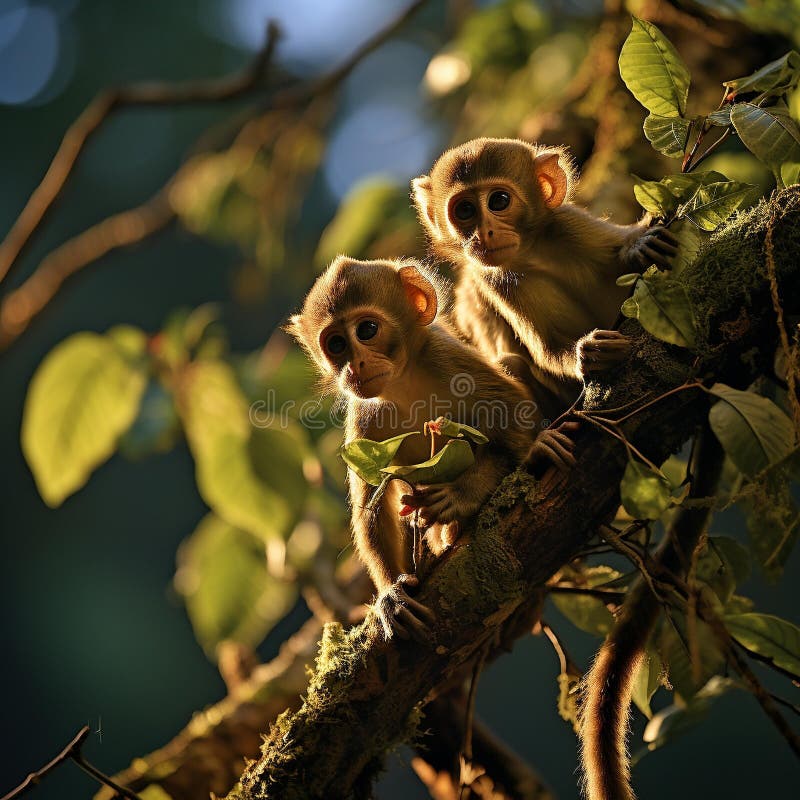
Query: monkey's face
x: 364, y: 348
x: 485, y: 221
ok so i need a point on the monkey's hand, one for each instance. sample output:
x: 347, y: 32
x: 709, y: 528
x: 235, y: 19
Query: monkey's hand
x: 401, y: 614
x: 442, y: 502
x: 599, y: 350
x: 656, y: 245
x: 553, y: 448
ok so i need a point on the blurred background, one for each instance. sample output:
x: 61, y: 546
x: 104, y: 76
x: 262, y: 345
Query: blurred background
x: 247, y: 202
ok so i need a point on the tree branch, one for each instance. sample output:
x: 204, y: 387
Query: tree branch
x: 135, y: 225
x: 95, y: 114
x: 366, y: 693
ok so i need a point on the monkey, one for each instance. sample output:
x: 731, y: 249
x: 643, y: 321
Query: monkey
x: 608, y: 686
x: 536, y: 273
x: 370, y: 328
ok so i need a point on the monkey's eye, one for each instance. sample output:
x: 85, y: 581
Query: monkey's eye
x: 366, y: 329
x: 464, y: 210
x: 499, y: 201
x: 335, y: 344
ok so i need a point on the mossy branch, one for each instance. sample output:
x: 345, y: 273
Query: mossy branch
x: 367, y: 694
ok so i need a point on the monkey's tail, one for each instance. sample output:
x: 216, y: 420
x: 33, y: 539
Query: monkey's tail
x: 608, y: 686
x: 605, y: 707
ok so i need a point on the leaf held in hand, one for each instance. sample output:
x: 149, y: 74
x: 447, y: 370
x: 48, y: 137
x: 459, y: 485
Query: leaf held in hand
x: 455, y: 457
x: 367, y: 458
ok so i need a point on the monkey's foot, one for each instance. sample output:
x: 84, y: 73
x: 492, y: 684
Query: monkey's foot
x: 400, y: 614
x: 600, y: 350
x: 657, y: 245
x: 553, y: 447
x: 442, y: 503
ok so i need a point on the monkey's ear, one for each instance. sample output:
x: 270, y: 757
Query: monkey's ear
x: 420, y: 293
x: 294, y: 327
x: 422, y: 191
x: 551, y: 178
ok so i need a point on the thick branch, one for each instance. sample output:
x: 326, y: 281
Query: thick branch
x: 366, y: 693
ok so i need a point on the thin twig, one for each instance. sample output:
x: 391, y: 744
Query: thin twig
x: 134, y: 225
x: 64, y: 755
x: 71, y: 752
x: 466, y: 750
x: 95, y: 114
x: 117, y: 231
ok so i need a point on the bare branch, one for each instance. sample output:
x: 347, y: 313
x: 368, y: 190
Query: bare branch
x: 95, y: 114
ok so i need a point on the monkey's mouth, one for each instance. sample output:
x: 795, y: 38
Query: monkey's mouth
x: 493, y: 256
x: 358, y: 385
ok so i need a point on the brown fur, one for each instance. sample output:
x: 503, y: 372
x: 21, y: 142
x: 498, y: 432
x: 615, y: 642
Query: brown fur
x: 557, y: 287
x: 427, y: 362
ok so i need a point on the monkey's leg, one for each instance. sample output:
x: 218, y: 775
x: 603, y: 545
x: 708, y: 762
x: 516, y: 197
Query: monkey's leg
x: 403, y: 615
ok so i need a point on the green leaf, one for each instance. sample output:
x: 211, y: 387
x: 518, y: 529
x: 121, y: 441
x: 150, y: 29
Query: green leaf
x: 222, y: 575
x: 369, y: 209
x: 721, y: 117
x: 770, y: 134
x: 628, y: 279
x: 82, y: 398
x: 790, y: 173
x: 753, y: 431
x: 675, y: 720
x: 655, y: 197
x: 645, y: 494
x: 723, y: 565
x: 646, y: 682
x: 769, y: 636
x: 455, y: 457
x: 448, y: 427
x: 653, y: 71
x: 663, y: 308
x: 690, y: 241
x: 232, y: 457
x: 590, y: 614
x: 367, y: 458
x: 776, y: 78
x: 713, y: 203
x: 687, y: 681
x: 668, y: 135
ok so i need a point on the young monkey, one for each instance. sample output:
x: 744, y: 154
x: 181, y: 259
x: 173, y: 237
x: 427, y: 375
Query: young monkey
x: 537, y: 274
x: 369, y: 327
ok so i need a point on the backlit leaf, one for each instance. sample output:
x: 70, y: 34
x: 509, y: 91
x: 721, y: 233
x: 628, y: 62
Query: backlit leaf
x: 668, y: 135
x: 448, y: 427
x: 772, y: 637
x: 713, y: 203
x: 770, y: 134
x: 455, y: 457
x: 222, y: 575
x: 83, y: 397
x: 367, y: 458
x: 663, y: 308
x: 645, y: 494
x: 252, y: 477
x: 646, y: 682
x: 776, y: 78
x: 653, y: 70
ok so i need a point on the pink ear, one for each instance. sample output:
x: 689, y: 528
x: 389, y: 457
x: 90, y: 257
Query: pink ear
x: 421, y: 294
x: 551, y: 178
x: 422, y: 191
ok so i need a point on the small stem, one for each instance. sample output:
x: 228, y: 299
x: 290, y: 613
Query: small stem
x: 63, y: 756
x: 712, y: 147
x: 103, y: 778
